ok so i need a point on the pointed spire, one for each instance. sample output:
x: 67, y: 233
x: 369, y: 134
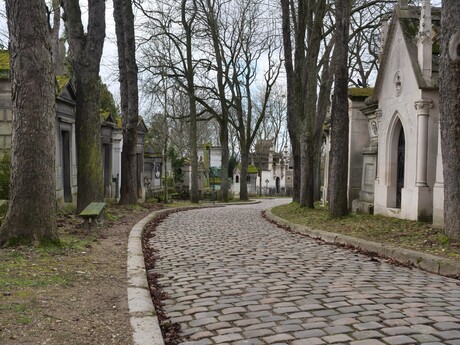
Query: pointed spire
x: 425, y: 44
x: 403, y: 4
x: 384, y: 33
x: 425, y: 18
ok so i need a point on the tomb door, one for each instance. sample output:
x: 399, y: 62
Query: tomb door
x: 400, y: 167
x: 66, y: 180
x: 139, y: 170
x: 107, y: 171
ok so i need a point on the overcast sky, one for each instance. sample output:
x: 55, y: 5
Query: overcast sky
x: 109, y: 63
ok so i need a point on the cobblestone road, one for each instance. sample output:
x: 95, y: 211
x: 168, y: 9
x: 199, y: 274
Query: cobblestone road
x: 234, y: 278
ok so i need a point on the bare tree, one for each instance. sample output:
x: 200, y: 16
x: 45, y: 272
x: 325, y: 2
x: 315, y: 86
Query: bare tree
x: 338, y: 167
x: 308, y: 39
x: 31, y: 212
x: 449, y: 82
x: 292, y: 119
x: 86, y: 52
x: 188, y: 25
x: 173, y: 27
x: 3, y: 29
x: 273, y: 125
x: 245, y: 49
x: 365, y: 20
x: 304, y: 24
x: 211, y: 12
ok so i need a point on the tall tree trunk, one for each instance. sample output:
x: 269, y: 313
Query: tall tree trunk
x: 223, y: 118
x: 449, y: 82
x: 291, y: 113
x: 88, y: 139
x: 243, y: 174
x: 315, y: 11
x: 338, y: 166
x: 55, y: 42
x: 124, y: 27
x: 31, y: 213
x: 318, y: 177
x: 323, y: 105
x: 296, y: 173
x: 86, y: 52
x: 224, y: 186
x: 187, y: 24
x: 194, y: 194
x: 307, y: 177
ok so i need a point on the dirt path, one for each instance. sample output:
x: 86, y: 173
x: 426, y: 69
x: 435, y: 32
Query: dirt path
x: 70, y: 295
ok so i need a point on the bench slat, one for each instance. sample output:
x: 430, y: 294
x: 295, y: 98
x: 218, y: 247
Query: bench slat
x: 93, y: 209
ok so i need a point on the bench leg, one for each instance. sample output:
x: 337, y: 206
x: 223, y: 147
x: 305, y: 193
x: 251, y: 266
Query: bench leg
x: 99, y: 220
x: 90, y: 223
x: 87, y: 224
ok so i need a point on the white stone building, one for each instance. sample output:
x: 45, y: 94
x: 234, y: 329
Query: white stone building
x: 357, y: 139
x: 209, y: 156
x: 404, y: 156
x: 268, y: 170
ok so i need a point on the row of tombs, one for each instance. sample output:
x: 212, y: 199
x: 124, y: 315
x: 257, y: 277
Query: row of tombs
x: 66, y: 153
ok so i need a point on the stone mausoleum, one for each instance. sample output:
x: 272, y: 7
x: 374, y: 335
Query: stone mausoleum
x: 401, y: 165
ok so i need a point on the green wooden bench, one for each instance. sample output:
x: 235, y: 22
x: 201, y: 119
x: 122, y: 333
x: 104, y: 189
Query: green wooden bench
x: 92, y: 213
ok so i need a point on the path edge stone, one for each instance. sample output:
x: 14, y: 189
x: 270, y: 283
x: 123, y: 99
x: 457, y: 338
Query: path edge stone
x: 144, y: 322
x: 426, y: 262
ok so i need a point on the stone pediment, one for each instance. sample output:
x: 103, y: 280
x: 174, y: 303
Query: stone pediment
x: 141, y: 126
x: 66, y: 90
x: 406, y: 21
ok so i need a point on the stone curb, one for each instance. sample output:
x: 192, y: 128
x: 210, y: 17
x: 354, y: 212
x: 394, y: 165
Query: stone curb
x: 426, y: 262
x: 144, y: 322
x: 210, y: 204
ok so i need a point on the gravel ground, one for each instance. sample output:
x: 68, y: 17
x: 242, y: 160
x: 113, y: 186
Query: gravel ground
x: 73, y: 296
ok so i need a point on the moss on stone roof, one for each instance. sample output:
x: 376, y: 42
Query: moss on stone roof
x: 104, y: 114
x: 360, y: 91
x: 5, y: 71
x: 252, y: 169
x: 4, y: 64
x: 410, y: 26
x: 61, y: 82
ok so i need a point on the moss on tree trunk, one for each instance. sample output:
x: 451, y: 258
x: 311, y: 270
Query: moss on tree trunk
x: 31, y: 213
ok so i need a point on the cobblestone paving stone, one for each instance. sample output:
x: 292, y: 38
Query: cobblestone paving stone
x: 234, y: 278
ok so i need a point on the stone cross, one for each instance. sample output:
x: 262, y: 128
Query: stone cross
x: 403, y: 4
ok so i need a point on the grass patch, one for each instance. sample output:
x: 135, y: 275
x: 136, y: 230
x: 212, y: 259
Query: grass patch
x: 23, y: 268
x: 392, y: 231
x: 111, y: 217
x: 67, y: 244
x: 136, y: 207
x: 21, y: 312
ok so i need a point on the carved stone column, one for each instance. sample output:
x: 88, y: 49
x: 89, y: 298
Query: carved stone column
x: 423, y: 111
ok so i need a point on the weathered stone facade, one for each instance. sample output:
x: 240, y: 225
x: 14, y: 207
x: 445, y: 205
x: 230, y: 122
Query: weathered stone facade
x: 403, y: 121
x: 269, y: 172
x: 66, y: 153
